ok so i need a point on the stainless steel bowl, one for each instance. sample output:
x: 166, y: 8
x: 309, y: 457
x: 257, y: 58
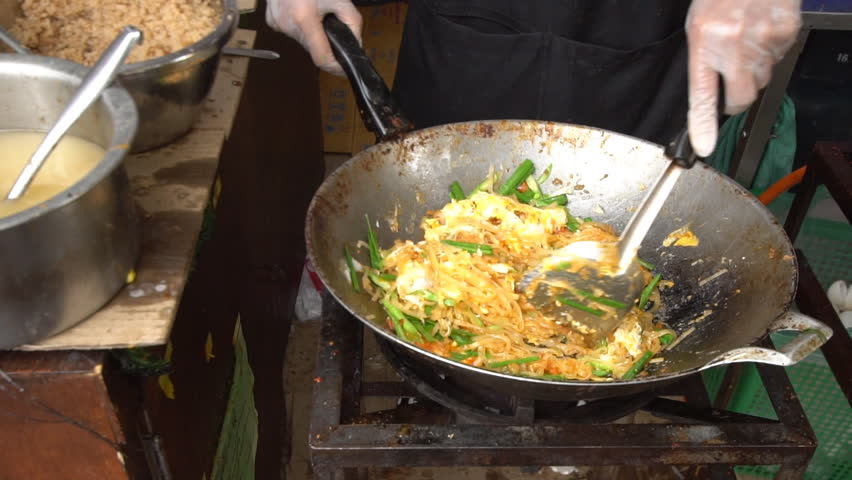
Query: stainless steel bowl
x: 170, y: 91
x: 62, y: 260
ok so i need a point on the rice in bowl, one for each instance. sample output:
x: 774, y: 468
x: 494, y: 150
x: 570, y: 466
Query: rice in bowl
x: 80, y: 30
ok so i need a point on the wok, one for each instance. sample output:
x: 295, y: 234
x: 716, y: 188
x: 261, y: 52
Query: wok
x: 730, y: 290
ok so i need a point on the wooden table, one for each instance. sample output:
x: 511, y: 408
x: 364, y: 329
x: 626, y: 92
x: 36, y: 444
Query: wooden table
x: 67, y: 408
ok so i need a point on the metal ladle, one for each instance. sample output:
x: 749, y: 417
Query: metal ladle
x: 99, y: 77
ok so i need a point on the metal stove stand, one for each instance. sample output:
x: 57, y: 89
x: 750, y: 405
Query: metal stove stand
x: 344, y: 441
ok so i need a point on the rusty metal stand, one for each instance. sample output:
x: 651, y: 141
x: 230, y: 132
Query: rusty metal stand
x: 345, y: 441
x: 828, y: 165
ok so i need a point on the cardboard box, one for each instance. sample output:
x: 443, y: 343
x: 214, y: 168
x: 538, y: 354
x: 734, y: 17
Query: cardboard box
x: 343, y: 130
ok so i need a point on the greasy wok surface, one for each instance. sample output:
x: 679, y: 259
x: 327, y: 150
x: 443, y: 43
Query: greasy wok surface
x: 727, y: 290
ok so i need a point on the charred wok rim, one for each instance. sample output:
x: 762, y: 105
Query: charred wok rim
x: 485, y: 129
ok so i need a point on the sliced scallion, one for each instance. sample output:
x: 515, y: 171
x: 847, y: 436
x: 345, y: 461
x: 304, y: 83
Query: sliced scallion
x: 350, y: 265
x: 579, y: 306
x: 519, y: 175
x: 470, y: 247
x: 646, y: 293
x: 638, y: 366
x: 514, y: 361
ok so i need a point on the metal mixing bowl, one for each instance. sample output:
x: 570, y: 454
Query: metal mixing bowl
x: 62, y: 260
x: 170, y: 91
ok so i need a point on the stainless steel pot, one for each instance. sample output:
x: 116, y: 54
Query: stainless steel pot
x: 62, y: 260
x: 170, y: 91
x: 729, y: 291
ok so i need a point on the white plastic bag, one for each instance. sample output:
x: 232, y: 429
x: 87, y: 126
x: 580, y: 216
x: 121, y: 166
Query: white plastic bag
x: 309, y: 299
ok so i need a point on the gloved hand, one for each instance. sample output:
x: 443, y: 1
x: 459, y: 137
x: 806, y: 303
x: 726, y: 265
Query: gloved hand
x: 301, y: 20
x: 740, y: 40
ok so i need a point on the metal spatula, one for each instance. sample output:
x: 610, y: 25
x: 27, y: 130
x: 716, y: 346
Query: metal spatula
x: 592, y: 285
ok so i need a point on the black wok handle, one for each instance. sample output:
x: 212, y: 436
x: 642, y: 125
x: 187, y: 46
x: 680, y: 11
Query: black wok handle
x: 380, y: 112
x: 679, y: 150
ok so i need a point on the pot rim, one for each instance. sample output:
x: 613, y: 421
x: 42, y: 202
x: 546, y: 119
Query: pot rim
x: 214, y: 41
x: 124, y: 119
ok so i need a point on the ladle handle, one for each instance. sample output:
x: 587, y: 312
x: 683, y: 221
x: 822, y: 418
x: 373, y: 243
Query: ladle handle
x: 12, y: 42
x: 100, y: 75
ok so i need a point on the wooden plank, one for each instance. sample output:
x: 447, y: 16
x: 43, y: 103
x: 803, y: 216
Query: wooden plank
x: 52, y: 424
x: 246, y: 5
x: 171, y: 186
x: 221, y: 107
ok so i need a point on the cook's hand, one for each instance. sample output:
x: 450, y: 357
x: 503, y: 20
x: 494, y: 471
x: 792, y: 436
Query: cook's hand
x: 740, y: 40
x: 301, y: 20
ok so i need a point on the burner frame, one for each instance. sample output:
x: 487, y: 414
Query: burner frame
x: 342, y: 440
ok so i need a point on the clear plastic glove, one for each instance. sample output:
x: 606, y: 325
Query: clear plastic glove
x: 740, y: 40
x: 301, y: 20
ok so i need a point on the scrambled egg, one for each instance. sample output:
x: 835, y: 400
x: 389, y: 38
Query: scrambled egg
x: 520, y: 224
x: 682, y: 237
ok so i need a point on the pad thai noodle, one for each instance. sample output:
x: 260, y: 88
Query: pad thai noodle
x: 454, y: 292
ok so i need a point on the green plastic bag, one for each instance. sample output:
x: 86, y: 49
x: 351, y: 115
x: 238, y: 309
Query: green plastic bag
x: 777, y: 160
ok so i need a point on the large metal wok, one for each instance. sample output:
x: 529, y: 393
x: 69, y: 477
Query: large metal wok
x: 730, y: 290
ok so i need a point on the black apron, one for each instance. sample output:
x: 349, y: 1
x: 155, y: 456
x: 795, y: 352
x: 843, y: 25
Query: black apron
x: 618, y: 65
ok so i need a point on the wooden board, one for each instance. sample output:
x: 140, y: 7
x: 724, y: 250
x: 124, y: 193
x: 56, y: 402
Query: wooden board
x: 172, y: 187
x: 246, y: 5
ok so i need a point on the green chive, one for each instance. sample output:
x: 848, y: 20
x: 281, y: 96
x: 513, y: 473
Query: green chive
x: 465, y: 355
x: 449, y: 302
x: 428, y: 295
x: 649, y: 266
x: 470, y: 247
x: 428, y: 309
x: 560, y: 200
x: 486, y: 184
x: 599, y: 369
x: 666, y: 338
x: 456, y: 192
x: 409, y: 328
x: 602, y: 300
x: 646, y: 293
x: 531, y: 183
x: 588, y: 219
x: 544, y: 175
x: 573, y: 224
x: 514, y: 361
x: 580, y: 306
x: 396, y: 317
x: 462, y: 337
x: 379, y: 281
x: 373, y: 242
x: 603, y: 343
x: 519, y: 175
x: 422, y: 327
x: 525, y: 197
x: 350, y: 265
x: 562, y: 266
x: 638, y: 366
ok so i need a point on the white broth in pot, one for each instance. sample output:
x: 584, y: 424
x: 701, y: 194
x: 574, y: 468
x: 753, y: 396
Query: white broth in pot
x: 70, y: 161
